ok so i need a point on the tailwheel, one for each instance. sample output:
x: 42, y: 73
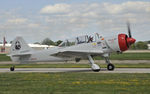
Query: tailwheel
x: 12, y: 68
x: 110, y: 67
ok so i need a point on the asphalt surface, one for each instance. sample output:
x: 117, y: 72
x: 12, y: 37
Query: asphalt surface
x: 86, y: 70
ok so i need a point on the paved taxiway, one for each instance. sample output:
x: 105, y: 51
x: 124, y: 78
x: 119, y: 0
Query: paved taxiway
x: 87, y: 70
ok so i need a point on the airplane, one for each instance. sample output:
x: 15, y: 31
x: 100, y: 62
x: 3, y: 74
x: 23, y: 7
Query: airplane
x: 82, y: 47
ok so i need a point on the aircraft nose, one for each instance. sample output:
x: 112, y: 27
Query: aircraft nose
x: 131, y: 40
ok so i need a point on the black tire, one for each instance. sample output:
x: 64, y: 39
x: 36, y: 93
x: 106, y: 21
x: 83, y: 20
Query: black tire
x: 110, y: 67
x: 12, y: 68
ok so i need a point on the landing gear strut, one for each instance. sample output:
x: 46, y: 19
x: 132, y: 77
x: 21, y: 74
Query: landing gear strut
x: 110, y: 66
x: 12, y: 68
x: 94, y: 66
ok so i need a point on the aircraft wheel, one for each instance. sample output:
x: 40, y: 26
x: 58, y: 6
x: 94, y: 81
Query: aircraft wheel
x: 110, y: 67
x: 95, y: 68
x: 12, y: 68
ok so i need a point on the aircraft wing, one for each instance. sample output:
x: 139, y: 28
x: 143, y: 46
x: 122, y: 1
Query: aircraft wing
x: 77, y: 53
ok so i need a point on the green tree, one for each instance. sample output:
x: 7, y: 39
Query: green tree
x: 36, y: 43
x: 48, y: 41
x: 133, y: 47
x: 10, y: 42
x: 58, y: 42
x: 141, y: 45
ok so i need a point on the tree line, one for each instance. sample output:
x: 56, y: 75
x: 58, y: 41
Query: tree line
x: 48, y: 41
x: 140, y: 45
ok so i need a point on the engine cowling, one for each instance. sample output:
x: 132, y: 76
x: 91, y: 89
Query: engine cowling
x: 124, y: 42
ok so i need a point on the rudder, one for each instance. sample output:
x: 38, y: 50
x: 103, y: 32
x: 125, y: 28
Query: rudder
x: 19, y: 45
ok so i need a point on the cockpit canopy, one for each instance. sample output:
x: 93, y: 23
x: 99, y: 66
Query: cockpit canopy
x: 79, y: 40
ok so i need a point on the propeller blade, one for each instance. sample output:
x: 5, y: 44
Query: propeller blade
x: 129, y: 31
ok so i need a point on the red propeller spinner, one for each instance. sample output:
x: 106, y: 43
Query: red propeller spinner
x: 125, y: 41
x: 130, y: 41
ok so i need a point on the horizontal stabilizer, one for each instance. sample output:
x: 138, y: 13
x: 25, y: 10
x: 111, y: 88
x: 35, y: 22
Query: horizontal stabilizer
x: 19, y: 54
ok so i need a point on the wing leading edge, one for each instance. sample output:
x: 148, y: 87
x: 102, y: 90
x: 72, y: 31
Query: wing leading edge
x: 77, y: 53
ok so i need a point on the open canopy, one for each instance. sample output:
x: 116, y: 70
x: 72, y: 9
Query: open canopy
x: 80, y: 40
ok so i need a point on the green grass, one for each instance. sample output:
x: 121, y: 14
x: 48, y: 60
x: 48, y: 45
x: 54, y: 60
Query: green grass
x: 74, y: 83
x: 73, y: 65
x: 114, y: 56
x: 128, y: 56
x: 3, y: 57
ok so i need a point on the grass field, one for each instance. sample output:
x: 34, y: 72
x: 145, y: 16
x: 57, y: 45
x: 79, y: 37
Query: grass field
x: 3, y: 57
x: 74, y: 83
x: 124, y: 56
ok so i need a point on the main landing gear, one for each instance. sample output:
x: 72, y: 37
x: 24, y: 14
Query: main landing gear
x: 110, y: 66
x: 94, y: 66
x: 12, y: 68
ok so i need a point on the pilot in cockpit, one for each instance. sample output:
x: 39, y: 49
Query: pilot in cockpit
x: 90, y: 39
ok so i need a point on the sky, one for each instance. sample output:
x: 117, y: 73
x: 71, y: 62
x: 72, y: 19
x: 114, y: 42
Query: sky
x: 36, y: 20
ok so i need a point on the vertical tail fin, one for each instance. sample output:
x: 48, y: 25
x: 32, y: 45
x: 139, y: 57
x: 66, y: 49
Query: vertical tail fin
x: 19, y: 45
x: 19, y: 51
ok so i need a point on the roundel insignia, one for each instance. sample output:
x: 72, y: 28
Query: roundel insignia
x: 17, y: 45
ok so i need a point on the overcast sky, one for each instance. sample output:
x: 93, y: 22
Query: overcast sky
x: 35, y: 20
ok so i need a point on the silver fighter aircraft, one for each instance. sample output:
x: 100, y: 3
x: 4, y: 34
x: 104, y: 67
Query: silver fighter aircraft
x: 82, y: 47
